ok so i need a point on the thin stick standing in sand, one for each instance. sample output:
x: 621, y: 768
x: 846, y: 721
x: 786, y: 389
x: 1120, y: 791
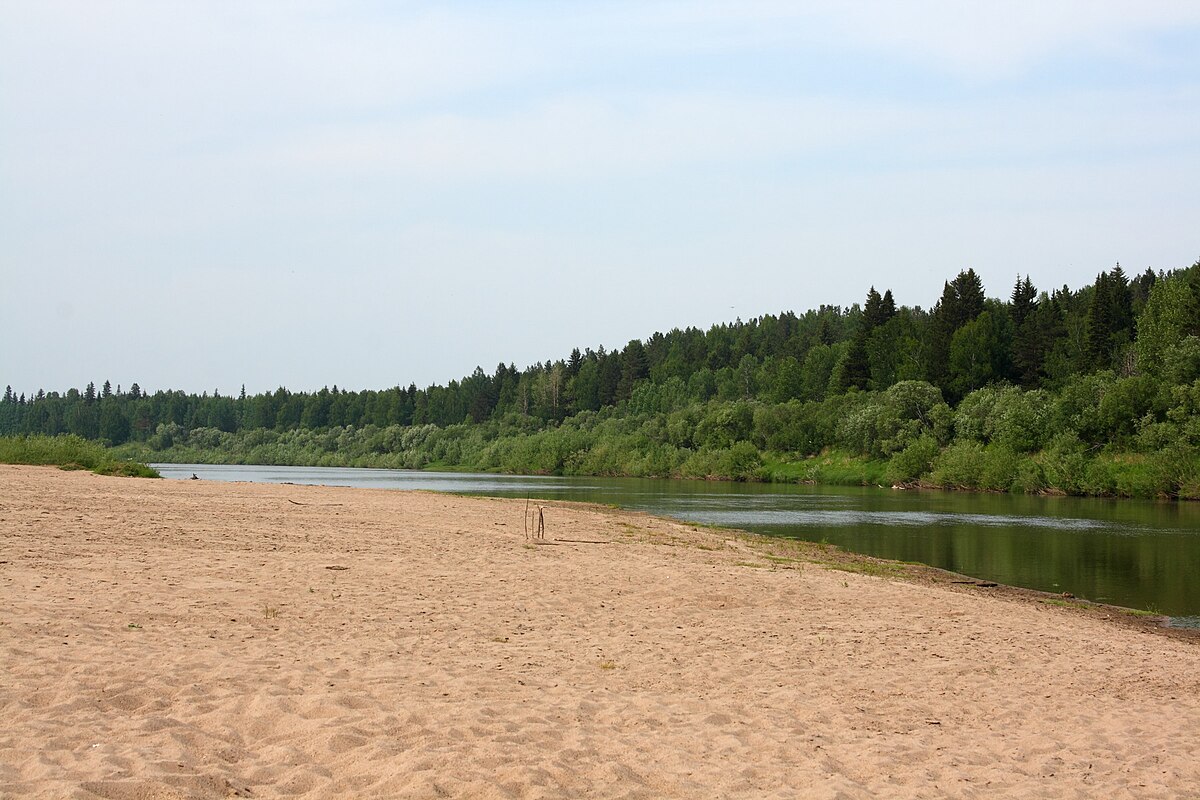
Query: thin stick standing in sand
x: 535, y: 527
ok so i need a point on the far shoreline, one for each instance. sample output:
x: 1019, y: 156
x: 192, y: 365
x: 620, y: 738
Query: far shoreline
x: 847, y: 472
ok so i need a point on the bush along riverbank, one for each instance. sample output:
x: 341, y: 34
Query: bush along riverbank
x: 69, y: 452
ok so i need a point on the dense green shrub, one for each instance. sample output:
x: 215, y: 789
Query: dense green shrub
x: 68, y: 452
x: 1005, y: 415
x: 913, y: 462
x: 1030, y: 478
x: 960, y: 466
x: 887, y: 422
x: 999, y: 470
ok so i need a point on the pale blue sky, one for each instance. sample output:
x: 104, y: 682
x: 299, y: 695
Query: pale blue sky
x: 201, y: 195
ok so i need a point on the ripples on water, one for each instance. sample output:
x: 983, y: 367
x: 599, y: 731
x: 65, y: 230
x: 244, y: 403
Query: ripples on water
x: 836, y: 518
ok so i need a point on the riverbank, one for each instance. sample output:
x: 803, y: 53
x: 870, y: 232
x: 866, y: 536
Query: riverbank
x: 1168, y: 474
x: 188, y: 638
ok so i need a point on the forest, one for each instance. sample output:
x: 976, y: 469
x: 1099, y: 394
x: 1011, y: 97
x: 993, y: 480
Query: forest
x: 1094, y: 391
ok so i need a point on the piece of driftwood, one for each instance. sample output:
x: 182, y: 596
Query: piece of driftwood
x: 535, y: 522
x: 583, y: 541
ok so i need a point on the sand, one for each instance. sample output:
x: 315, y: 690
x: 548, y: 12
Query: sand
x: 167, y: 639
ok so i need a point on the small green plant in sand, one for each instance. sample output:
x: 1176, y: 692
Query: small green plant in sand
x: 608, y: 665
x: 876, y: 569
x: 270, y: 612
x: 1054, y: 601
x: 630, y: 530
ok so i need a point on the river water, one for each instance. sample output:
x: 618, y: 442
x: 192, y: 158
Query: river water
x: 1138, y: 554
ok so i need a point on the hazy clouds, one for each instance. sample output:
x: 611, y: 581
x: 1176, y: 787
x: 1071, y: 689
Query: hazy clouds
x: 200, y: 195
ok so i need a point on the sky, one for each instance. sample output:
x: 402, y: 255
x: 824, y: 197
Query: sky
x: 202, y: 196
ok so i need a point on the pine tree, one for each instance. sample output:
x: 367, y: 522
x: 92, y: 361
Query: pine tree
x: 1098, y: 351
x: 969, y: 290
x: 888, y: 307
x: 1034, y: 339
x: 634, y: 367
x: 1121, y: 304
x: 1024, y: 297
x: 1193, y: 326
x: 1140, y: 287
x: 856, y: 370
x: 610, y: 369
x: 961, y: 302
x: 1109, y: 318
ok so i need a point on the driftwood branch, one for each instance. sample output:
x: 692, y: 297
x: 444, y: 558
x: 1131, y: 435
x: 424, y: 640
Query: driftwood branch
x: 535, y: 522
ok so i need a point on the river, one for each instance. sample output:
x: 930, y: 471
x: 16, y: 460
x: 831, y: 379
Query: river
x: 1138, y: 554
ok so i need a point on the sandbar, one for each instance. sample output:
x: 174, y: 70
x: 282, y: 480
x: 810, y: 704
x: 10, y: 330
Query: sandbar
x: 195, y: 639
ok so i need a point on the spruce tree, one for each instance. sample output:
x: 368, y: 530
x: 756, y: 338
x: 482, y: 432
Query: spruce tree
x: 962, y: 301
x: 1024, y: 296
x: 969, y: 290
x: 634, y: 367
x: 1109, y: 319
x: 856, y: 370
x: 1140, y: 287
x: 887, y: 307
x: 1098, y: 323
x: 1120, y: 304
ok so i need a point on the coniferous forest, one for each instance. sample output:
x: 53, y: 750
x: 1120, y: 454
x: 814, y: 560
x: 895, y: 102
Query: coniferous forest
x: 1094, y: 391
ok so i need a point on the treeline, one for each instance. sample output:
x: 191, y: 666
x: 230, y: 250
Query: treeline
x: 1030, y: 393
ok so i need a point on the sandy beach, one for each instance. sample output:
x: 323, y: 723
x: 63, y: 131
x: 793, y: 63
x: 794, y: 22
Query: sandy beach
x: 188, y: 639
